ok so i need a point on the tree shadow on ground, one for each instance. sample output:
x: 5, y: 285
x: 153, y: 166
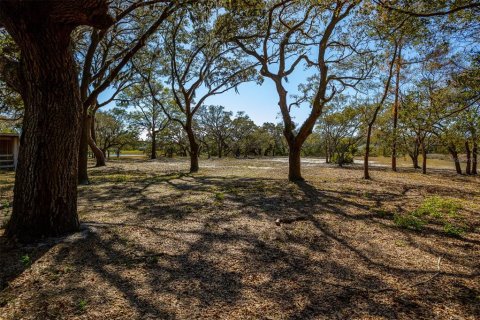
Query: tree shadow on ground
x: 179, y: 246
x: 294, y: 269
x: 14, y: 260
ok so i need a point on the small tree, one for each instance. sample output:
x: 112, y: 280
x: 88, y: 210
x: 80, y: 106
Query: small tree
x: 148, y: 100
x: 217, y: 124
x: 112, y: 131
x: 339, y: 131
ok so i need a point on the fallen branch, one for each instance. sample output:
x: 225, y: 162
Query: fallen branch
x: 431, y: 278
x: 278, y: 222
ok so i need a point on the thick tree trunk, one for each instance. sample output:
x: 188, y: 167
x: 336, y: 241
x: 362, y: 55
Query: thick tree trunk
x: 153, y: 154
x: 424, y: 160
x: 468, y: 169
x: 220, y: 151
x: 475, y: 157
x: 194, y: 149
x: 294, y: 163
x: 45, y: 193
x: 366, y: 174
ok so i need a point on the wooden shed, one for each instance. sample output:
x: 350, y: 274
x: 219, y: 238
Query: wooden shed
x: 9, y: 145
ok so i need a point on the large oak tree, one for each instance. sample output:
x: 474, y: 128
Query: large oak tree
x: 45, y: 193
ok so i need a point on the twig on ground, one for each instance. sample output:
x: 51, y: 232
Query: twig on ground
x: 278, y: 222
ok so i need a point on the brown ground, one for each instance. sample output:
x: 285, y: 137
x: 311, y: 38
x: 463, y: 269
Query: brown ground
x: 162, y: 244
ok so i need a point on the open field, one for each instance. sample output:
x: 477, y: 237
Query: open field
x: 159, y: 243
x: 405, y: 162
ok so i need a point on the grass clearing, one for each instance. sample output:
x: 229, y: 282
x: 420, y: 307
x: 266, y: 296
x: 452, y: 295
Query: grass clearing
x: 435, y: 209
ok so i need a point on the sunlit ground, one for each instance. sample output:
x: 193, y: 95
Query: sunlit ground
x: 159, y: 243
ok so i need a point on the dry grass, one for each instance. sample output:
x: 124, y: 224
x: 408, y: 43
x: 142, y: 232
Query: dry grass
x: 433, y: 162
x: 160, y: 243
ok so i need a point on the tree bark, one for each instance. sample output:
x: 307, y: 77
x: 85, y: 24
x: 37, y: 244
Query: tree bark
x: 468, y: 169
x: 366, y: 174
x: 424, y: 156
x: 456, y: 160
x: 83, y: 151
x: 93, y: 133
x: 475, y: 157
x: 414, y: 155
x: 194, y: 148
x: 395, y: 110
x: 92, y: 143
x: 87, y: 139
x: 45, y: 192
x: 294, y: 162
x: 153, y: 154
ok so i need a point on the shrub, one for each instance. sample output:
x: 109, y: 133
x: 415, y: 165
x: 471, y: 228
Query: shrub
x: 408, y: 221
x: 342, y: 158
x: 438, y: 207
x: 26, y: 261
x: 453, y: 230
x: 434, y: 209
x: 219, y: 196
x: 82, y: 305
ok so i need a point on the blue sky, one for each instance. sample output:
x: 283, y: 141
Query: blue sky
x: 260, y: 102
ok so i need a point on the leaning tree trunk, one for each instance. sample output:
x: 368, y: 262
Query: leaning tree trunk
x: 194, y: 149
x: 92, y: 143
x: 45, y: 193
x: 456, y: 160
x: 87, y: 140
x: 97, y: 152
x: 414, y: 157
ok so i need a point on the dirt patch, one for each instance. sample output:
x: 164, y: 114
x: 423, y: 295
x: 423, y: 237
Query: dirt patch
x: 164, y: 244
